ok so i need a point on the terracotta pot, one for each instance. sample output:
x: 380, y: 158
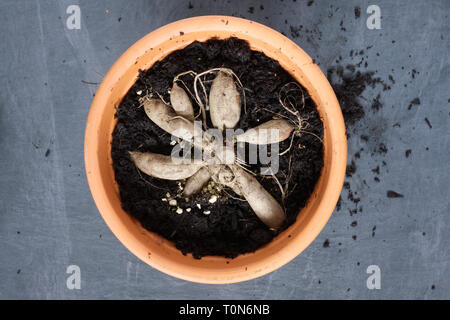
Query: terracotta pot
x: 161, y: 253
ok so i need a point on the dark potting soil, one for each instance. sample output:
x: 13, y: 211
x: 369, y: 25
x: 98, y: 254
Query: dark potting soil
x: 349, y: 84
x: 231, y: 228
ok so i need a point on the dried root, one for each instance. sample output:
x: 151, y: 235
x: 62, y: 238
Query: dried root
x: 288, y: 103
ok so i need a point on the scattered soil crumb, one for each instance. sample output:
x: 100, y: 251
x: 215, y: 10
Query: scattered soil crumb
x: 339, y: 204
x: 326, y: 244
x: 415, y: 101
x: 391, y: 78
x: 382, y: 148
x: 393, y: 194
x: 357, y: 12
x: 352, y: 198
x: 408, y: 153
x: 351, y: 169
x: 377, y: 105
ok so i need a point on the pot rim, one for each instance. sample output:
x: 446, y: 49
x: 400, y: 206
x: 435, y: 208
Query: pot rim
x: 155, y: 250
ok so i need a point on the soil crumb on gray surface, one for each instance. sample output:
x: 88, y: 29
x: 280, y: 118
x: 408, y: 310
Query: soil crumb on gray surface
x: 357, y: 12
x: 408, y: 153
x: 393, y: 194
x: 415, y: 101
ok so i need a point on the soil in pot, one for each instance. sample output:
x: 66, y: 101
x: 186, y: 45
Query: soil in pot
x: 216, y: 221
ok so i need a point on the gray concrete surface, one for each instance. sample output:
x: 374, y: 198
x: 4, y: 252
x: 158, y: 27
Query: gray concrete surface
x: 49, y: 221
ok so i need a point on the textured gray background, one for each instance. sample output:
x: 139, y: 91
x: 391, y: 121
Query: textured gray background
x: 48, y: 219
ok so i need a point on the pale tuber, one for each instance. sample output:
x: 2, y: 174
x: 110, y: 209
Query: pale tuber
x: 163, y: 167
x: 181, y: 103
x: 224, y: 102
x: 272, y: 131
x: 196, y: 182
x: 263, y: 204
x: 166, y: 118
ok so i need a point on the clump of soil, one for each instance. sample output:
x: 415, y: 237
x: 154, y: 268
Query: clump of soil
x: 349, y: 84
x: 230, y: 227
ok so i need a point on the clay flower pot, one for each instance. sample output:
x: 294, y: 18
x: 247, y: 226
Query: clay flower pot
x: 161, y: 253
